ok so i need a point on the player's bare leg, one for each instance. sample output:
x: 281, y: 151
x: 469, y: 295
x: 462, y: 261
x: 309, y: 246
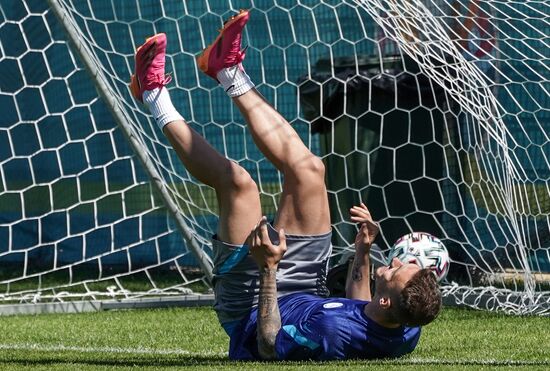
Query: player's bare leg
x: 304, y: 206
x: 237, y: 194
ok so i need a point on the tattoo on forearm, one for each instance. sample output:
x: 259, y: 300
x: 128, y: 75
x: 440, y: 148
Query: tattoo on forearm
x: 356, y: 274
x: 358, y: 279
x: 269, y: 318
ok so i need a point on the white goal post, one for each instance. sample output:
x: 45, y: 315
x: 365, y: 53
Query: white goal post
x: 436, y: 113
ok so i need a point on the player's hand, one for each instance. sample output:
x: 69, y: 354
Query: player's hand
x: 263, y: 251
x: 368, y: 229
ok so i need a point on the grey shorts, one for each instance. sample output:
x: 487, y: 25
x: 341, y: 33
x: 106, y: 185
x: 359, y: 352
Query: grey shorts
x: 236, y: 284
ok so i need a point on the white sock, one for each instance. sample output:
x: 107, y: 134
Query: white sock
x: 160, y: 105
x: 234, y: 80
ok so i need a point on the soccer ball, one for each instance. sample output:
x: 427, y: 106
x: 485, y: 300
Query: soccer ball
x: 423, y: 249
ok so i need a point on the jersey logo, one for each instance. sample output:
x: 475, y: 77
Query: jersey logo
x: 332, y: 305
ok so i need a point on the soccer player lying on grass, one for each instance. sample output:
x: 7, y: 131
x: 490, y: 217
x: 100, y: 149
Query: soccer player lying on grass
x: 269, y: 279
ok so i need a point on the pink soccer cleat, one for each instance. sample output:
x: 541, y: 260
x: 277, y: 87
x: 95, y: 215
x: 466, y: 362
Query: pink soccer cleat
x: 225, y: 51
x: 149, y: 68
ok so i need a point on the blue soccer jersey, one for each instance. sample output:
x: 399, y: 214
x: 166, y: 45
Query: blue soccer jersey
x: 323, y: 329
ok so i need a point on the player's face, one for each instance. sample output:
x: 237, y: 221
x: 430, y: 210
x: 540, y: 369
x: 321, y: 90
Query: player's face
x: 396, y: 275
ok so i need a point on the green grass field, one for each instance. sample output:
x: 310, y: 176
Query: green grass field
x: 191, y: 338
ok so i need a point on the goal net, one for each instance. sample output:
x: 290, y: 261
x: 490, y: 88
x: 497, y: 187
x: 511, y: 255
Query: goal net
x: 433, y: 112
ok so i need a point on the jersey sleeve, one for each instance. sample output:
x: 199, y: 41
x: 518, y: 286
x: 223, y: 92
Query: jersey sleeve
x: 323, y: 336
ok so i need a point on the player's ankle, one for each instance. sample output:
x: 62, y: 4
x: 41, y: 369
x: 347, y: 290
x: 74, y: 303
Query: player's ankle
x: 235, y: 81
x: 160, y: 105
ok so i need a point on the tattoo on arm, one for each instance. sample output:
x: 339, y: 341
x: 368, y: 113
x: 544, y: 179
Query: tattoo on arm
x: 356, y: 274
x: 358, y: 279
x: 269, y: 318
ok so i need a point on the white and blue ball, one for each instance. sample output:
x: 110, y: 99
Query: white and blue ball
x: 423, y: 249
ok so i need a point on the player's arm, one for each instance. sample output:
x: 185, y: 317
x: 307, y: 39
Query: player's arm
x: 358, y: 279
x: 267, y: 256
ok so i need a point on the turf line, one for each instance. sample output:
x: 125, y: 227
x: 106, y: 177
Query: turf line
x: 140, y: 350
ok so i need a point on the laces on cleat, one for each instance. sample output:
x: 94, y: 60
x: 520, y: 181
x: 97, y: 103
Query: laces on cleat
x: 163, y: 79
x: 166, y: 79
x: 240, y: 58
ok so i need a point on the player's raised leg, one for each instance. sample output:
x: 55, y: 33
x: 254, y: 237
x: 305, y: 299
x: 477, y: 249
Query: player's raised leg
x: 237, y: 193
x: 304, y: 206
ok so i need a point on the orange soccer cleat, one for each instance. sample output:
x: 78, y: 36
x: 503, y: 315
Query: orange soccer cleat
x: 225, y: 51
x: 149, y: 68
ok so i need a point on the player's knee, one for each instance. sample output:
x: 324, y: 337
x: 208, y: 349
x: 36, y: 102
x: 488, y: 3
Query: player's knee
x: 239, y: 180
x: 317, y: 166
x: 311, y: 169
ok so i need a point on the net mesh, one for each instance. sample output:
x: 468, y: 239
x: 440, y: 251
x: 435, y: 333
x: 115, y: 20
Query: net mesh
x: 492, y: 60
x: 435, y: 113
